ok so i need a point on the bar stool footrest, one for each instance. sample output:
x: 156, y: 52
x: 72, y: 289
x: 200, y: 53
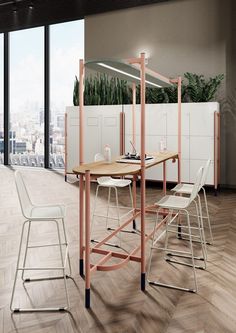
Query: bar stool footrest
x: 107, y: 243
x: 156, y: 283
x: 184, y: 263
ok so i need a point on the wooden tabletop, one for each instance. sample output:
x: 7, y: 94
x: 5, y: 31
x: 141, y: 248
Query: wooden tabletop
x: 102, y: 168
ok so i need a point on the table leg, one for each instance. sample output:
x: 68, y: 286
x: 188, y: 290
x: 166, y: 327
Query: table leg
x: 143, y: 194
x: 134, y: 188
x: 164, y: 178
x: 81, y: 225
x: 179, y: 217
x: 179, y: 170
x: 87, y: 239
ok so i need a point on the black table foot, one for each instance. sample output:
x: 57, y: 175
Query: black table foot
x: 179, y: 231
x: 143, y: 281
x: 81, y: 267
x: 87, y: 298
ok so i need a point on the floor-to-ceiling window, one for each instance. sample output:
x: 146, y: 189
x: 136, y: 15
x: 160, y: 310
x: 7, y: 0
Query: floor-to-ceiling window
x: 66, y: 48
x: 27, y: 97
x: 1, y: 100
x: 27, y: 88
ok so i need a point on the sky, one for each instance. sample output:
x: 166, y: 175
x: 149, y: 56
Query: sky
x: 27, y: 67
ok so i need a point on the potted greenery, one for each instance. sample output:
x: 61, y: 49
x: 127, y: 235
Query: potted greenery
x: 103, y: 90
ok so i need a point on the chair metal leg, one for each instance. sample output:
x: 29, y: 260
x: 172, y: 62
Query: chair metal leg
x: 153, y: 243
x: 132, y: 206
x: 118, y: 213
x: 17, y: 265
x: 65, y: 237
x: 63, y: 264
x: 201, y: 229
x: 191, y: 249
x: 157, y: 283
x: 108, y: 206
x: 26, y: 250
x: 94, y: 209
x: 201, y: 241
x: 207, y: 213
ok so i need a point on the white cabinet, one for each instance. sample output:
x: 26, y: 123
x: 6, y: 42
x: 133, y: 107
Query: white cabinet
x: 199, y: 139
x: 101, y: 126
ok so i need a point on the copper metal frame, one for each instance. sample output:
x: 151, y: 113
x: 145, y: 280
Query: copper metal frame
x: 85, y: 249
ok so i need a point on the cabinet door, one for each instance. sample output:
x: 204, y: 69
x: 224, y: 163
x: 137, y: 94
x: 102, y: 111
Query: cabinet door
x: 110, y: 128
x: 92, y: 132
x: 172, y: 171
x: 172, y: 119
x: 155, y: 173
x: 201, y: 148
x: 156, y: 119
x: 172, y: 145
x: 194, y: 167
x: 202, y: 119
x: 128, y: 119
x: 153, y: 142
x: 128, y: 146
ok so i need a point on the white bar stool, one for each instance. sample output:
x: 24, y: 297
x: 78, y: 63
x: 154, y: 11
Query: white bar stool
x: 43, y: 214
x: 178, y: 205
x: 110, y: 183
x: 186, y: 189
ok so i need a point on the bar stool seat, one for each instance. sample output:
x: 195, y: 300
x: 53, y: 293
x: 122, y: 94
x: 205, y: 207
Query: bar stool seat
x: 48, y: 212
x: 111, y: 182
x: 173, y: 201
x: 183, y: 188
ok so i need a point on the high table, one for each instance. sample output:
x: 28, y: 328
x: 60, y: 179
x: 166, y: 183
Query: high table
x: 114, y: 169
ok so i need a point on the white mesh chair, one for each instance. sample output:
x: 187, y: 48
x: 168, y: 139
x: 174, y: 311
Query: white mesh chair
x: 110, y: 183
x: 186, y: 189
x: 35, y: 214
x: 177, y: 205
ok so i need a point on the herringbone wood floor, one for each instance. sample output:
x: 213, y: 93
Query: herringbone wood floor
x: 118, y: 305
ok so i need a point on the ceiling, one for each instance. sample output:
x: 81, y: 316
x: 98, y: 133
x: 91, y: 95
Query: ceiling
x: 46, y: 12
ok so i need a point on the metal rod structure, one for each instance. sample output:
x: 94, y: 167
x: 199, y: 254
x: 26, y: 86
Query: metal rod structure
x: 81, y: 224
x: 47, y: 97
x: 65, y: 172
x: 179, y: 129
x: 134, y: 116
x: 81, y: 160
x: 85, y: 247
x: 134, y: 193
x: 87, y: 239
x: 122, y: 143
x: 6, y: 99
x: 143, y: 180
x: 164, y: 178
x: 81, y: 111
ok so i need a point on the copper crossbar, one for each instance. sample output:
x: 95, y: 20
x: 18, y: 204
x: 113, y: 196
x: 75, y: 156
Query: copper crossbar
x: 99, y: 266
x: 102, y: 242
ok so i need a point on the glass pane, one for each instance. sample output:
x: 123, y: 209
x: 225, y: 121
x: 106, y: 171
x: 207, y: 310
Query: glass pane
x: 66, y: 48
x: 1, y: 100
x: 27, y: 97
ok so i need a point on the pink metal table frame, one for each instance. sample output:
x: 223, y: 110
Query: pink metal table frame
x: 84, y: 202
